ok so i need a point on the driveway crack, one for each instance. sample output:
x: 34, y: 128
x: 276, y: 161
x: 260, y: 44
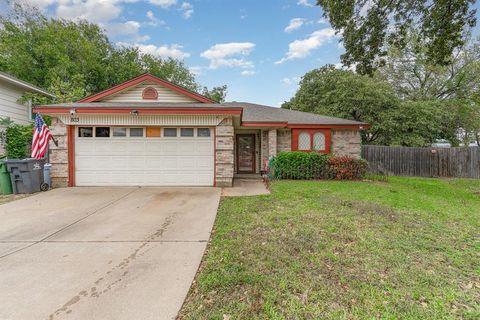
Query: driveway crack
x: 108, y: 284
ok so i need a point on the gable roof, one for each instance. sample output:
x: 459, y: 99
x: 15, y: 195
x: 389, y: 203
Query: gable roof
x: 146, y: 77
x: 23, y: 84
x: 253, y: 115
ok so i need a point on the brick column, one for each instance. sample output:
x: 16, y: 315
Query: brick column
x: 59, y: 155
x: 224, y: 153
x: 272, y: 143
x: 346, y: 143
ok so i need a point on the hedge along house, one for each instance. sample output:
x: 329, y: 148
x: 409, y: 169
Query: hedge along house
x: 150, y: 132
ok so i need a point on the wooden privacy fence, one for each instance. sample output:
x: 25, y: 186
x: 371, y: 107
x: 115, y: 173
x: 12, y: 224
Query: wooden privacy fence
x: 423, y: 162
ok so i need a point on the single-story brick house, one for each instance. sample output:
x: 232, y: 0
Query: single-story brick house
x: 148, y: 131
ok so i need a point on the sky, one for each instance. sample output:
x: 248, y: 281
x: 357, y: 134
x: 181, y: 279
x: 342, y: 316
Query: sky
x: 258, y: 48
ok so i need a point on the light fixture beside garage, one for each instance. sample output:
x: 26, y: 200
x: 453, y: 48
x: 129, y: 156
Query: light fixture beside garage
x: 134, y: 112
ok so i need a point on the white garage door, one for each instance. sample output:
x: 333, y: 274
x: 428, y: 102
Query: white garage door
x: 144, y: 156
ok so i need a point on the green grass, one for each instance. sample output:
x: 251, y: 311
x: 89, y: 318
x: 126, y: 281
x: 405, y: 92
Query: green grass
x: 404, y: 249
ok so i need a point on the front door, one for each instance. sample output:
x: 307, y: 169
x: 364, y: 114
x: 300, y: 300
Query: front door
x: 245, y: 153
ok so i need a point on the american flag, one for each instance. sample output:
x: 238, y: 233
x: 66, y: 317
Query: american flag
x: 41, y: 136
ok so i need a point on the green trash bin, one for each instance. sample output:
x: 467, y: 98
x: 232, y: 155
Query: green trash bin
x: 5, y: 182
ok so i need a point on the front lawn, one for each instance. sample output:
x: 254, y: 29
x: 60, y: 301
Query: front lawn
x: 408, y: 248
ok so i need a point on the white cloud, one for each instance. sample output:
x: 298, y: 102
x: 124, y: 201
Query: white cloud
x: 229, y: 55
x: 96, y: 11
x: 42, y: 4
x: 304, y: 3
x: 322, y: 21
x: 127, y: 28
x: 154, y: 21
x: 295, y: 24
x: 300, y: 49
x: 163, y: 3
x: 187, y: 9
x: 166, y: 51
x: 247, y: 73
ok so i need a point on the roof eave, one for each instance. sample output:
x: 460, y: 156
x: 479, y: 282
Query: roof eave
x: 25, y: 85
x: 141, y: 111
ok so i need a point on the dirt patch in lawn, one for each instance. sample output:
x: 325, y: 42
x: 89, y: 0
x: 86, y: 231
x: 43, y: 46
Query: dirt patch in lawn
x: 4, y: 198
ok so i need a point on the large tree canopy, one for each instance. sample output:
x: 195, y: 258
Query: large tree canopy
x: 75, y: 59
x: 367, y: 26
x: 345, y: 94
x: 413, y: 75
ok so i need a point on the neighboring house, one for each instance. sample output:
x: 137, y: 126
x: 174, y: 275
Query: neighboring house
x: 11, y: 90
x: 148, y: 131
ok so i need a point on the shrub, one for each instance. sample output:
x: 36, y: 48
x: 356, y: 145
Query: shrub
x: 312, y: 165
x: 18, y: 141
x: 299, y: 165
x: 346, y: 168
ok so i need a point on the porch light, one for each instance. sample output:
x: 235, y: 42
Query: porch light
x: 134, y: 112
x: 73, y: 111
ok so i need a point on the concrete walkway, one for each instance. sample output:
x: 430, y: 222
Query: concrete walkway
x: 245, y: 187
x: 102, y: 253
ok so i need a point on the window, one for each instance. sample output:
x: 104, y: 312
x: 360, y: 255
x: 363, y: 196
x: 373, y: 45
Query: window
x: 153, y: 132
x: 304, y: 141
x: 102, y: 132
x: 85, y: 132
x: 119, y: 132
x: 136, y: 132
x: 319, y: 141
x: 170, y: 132
x: 203, y: 132
x: 186, y: 132
x: 311, y: 139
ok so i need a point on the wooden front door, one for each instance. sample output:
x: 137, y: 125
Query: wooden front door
x: 245, y: 153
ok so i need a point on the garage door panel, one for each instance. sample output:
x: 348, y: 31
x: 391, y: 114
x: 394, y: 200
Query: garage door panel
x: 144, y: 161
x: 203, y: 146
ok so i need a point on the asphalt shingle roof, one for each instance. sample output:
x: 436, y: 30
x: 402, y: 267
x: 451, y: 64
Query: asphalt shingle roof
x: 251, y: 112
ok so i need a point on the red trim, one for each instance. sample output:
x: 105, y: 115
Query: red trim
x: 94, y: 110
x: 142, y: 78
x: 264, y: 124
x: 215, y: 156
x: 149, y: 93
x: 71, y: 155
x: 328, y: 126
x: 326, y: 132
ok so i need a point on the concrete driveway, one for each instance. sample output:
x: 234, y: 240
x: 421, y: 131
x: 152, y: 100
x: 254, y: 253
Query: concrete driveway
x: 102, y: 253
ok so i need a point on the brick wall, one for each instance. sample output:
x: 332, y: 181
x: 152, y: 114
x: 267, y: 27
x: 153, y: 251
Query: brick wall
x: 272, y: 143
x: 284, y: 140
x: 59, y: 155
x: 224, y: 151
x: 346, y: 143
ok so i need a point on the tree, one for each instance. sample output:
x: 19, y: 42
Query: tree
x: 74, y: 59
x: 345, y: 94
x: 217, y: 94
x: 413, y: 76
x: 367, y: 26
